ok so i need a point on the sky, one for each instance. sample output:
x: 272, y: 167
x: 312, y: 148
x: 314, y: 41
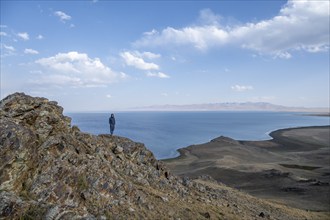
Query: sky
x: 116, y: 55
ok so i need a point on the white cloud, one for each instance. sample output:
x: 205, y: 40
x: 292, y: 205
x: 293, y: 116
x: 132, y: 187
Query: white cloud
x: 283, y: 55
x: 164, y: 94
x: 136, y: 60
x: 239, y: 88
x: 10, y: 48
x: 59, y: 80
x: 159, y: 75
x: 206, y: 16
x: 35, y: 71
x: 108, y: 96
x: 149, y: 33
x: 150, y: 55
x: 122, y: 75
x: 30, y: 51
x: 63, y: 16
x: 76, y: 70
x: 299, y: 25
x: 201, y: 37
x: 3, y: 34
x: 23, y: 36
x: 40, y: 37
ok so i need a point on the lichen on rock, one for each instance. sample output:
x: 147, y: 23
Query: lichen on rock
x: 48, y: 165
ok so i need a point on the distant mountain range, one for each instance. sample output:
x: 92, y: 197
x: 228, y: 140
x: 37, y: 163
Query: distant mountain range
x: 230, y: 106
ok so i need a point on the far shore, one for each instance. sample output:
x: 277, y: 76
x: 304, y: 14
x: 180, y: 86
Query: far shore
x: 323, y: 114
x: 293, y: 168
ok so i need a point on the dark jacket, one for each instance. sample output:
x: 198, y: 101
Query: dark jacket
x: 112, y: 121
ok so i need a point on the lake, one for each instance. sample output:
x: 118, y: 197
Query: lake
x: 165, y: 132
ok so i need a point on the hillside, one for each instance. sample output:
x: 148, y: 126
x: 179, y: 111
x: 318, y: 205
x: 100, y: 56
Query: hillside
x: 51, y: 170
x: 292, y: 168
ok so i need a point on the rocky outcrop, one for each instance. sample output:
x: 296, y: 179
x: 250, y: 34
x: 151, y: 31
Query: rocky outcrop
x: 51, y: 170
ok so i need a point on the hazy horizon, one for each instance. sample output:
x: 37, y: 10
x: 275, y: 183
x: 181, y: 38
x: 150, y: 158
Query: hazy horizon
x: 205, y: 108
x: 109, y: 55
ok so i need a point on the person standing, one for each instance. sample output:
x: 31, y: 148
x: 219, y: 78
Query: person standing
x: 112, y: 122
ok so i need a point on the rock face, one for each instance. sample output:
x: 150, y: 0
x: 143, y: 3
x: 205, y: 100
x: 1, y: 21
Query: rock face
x: 50, y: 170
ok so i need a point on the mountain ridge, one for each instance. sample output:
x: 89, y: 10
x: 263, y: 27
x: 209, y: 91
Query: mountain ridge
x: 230, y: 106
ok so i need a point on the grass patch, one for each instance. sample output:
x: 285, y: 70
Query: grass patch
x: 295, y: 166
x: 82, y: 182
x: 34, y: 212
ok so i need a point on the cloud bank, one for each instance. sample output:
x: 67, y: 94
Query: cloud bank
x: 300, y: 25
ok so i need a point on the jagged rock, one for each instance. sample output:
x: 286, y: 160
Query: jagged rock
x: 48, y: 165
x: 118, y: 150
x: 186, y: 181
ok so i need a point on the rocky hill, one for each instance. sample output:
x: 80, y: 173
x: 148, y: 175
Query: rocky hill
x: 51, y: 170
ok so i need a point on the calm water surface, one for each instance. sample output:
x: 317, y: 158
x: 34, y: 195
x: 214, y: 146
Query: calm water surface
x: 165, y: 132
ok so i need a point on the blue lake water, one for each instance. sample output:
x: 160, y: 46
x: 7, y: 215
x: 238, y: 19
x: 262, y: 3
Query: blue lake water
x: 165, y: 132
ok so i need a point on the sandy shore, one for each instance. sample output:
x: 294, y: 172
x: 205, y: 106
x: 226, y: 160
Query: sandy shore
x: 292, y: 169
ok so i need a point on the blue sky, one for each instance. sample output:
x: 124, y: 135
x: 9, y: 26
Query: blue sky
x: 114, y: 55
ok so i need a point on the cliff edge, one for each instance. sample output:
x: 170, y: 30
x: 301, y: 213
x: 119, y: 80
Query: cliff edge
x: 51, y: 170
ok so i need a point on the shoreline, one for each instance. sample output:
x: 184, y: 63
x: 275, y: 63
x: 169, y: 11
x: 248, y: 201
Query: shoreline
x: 294, y: 128
x: 325, y: 114
x: 291, y: 168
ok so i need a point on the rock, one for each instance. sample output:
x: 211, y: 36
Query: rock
x: 52, y: 213
x: 226, y: 140
x: 118, y: 150
x: 165, y: 199
x: 205, y: 215
x: 272, y: 173
x: 319, y: 183
x: 294, y: 189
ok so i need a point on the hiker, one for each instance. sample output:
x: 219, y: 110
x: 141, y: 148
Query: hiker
x: 112, y: 123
